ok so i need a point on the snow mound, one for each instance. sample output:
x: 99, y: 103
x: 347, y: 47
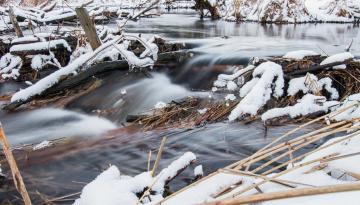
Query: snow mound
x: 340, y: 57
x: 310, y: 84
x: 112, y: 188
x: 307, y: 105
x: 300, y: 54
x: 271, y: 82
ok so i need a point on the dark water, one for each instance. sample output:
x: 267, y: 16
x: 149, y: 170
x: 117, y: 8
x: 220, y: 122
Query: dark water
x: 64, y: 169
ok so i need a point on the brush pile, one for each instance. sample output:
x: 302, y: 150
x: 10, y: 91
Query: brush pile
x: 188, y: 113
x: 299, y: 85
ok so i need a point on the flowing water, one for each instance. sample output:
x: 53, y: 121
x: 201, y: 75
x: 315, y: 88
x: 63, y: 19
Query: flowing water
x: 64, y: 170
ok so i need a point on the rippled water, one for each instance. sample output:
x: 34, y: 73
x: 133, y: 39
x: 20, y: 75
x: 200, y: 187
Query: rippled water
x: 63, y: 169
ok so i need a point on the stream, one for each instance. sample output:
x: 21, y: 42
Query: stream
x: 97, y: 141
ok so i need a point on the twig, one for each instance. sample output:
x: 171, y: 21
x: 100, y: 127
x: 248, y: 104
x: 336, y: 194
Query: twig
x: 18, y: 180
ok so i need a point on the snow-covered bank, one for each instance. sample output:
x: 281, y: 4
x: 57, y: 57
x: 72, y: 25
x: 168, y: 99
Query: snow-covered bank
x: 291, y: 11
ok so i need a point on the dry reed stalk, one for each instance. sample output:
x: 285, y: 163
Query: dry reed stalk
x: 285, y: 182
x: 283, y: 146
x: 18, y: 180
x: 311, y: 152
x: 321, y: 159
x: 227, y: 189
x: 306, y: 142
x: 149, y: 159
x: 158, y: 157
x: 244, y: 173
x: 189, y: 186
x: 279, y: 174
x: 239, y: 164
x: 352, y: 174
x: 288, y: 194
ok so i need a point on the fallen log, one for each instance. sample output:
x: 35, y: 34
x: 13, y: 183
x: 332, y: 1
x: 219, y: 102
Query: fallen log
x: 40, y: 48
x: 70, y: 81
x: 317, y: 68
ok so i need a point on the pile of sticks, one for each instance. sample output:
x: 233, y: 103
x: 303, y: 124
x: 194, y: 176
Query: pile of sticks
x: 184, y: 114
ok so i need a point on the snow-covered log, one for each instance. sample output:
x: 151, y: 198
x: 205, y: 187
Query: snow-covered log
x: 40, y: 47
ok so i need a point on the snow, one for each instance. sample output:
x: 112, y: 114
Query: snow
x: 275, y: 11
x: 160, y: 105
x: 42, y: 145
x: 54, y: 77
x: 350, y: 107
x: 28, y: 83
x: 25, y: 39
x: 300, y: 54
x: 205, y: 190
x: 331, y: 11
x: 231, y: 86
x: 112, y: 188
x: 123, y: 92
x: 307, y: 105
x: 289, y: 11
x: 172, y: 170
x: 310, y: 84
x: 202, y: 111
x: 41, y: 46
x: 248, y: 86
x: 230, y: 97
x: 261, y: 92
x: 224, y: 79
x: 340, y: 57
x: 198, y: 171
x: 39, y: 61
x: 10, y: 65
